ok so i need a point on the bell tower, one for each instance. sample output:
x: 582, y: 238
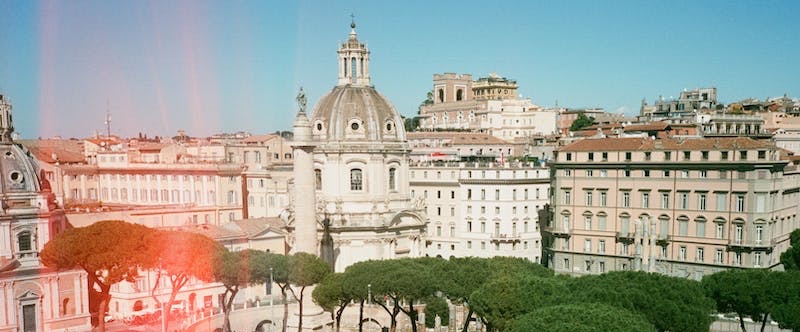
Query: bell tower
x: 353, y: 61
x: 6, y: 123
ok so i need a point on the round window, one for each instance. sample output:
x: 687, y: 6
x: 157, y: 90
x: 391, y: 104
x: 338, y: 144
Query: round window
x: 389, y: 126
x: 15, y: 177
x: 319, y: 126
x: 354, y: 126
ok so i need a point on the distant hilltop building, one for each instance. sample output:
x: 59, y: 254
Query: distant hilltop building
x: 687, y: 102
x: 488, y: 105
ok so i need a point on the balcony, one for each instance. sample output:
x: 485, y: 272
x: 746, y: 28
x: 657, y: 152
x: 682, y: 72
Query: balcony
x: 749, y: 246
x: 625, y: 237
x: 557, y: 231
x: 505, y: 238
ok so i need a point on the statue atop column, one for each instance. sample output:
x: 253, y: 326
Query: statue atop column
x: 301, y: 100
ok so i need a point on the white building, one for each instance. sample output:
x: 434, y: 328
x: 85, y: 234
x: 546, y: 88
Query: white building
x: 482, y: 209
x: 354, y: 148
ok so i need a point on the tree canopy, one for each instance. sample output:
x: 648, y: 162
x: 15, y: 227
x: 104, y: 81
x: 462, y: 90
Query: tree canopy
x: 581, y: 122
x: 109, y: 251
x: 501, y: 300
x: 669, y: 303
x: 581, y: 317
x: 791, y: 257
x: 749, y: 293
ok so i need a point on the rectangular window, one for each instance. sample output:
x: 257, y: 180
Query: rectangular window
x: 759, y: 233
x: 718, y: 256
x: 626, y: 199
x: 682, y: 253
x: 684, y: 199
x: 627, y: 173
x: 587, y: 245
x: 588, y: 196
x: 497, y: 194
x: 703, y: 174
x: 699, y: 254
x: 590, y: 156
x: 762, y: 155
x: 569, y: 156
x: 647, y: 156
x: 469, y: 193
x: 701, y: 201
x: 685, y: 174
x: 683, y: 227
x: 687, y: 155
x: 667, y: 155
x: 646, y: 173
x: 721, y: 199
x: 601, y: 222
x: 665, y: 200
x: 603, y: 198
x: 719, y: 233
x: 601, y: 246
x: 737, y: 258
x: 567, y: 172
x: 757, y: 259
x: 666, y: 173
x: 645, y: 200
x: 701, y: 229
x: 566, y: 197
x: 738, y: 233
x: 761, y: 202
x: 605, y: 156
x: 603, y: 173
x: 739, y: 203
x: 483, y: 194
x: 514, y: 194
x: 724, y: 155
x: 589, y: 173
x: 742, y: 155
x: 704, y: 155
x: 628, y: 156
x: 587, y: 222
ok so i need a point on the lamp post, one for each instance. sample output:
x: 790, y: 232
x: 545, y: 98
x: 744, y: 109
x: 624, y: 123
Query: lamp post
x: 369, y: 302
x: 271, y: 307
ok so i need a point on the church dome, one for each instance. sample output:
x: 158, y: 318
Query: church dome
x: 356, y: 113
x: 18, y: 168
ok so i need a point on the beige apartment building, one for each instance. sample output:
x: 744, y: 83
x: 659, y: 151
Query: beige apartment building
x: 683, y: 207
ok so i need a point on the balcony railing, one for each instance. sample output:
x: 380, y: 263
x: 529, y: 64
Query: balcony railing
x: 505, y: 238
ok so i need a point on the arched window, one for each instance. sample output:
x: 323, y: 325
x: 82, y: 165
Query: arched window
x: 24, y: 241
x: 459, y: 94
x: 356, y: 180
x: 392, y: 179
x: 441, y: 95
x: 318, y: 178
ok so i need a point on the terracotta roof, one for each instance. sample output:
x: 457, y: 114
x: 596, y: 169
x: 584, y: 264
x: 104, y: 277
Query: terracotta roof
x: 238, y: 229
x: 653, y: 126
x: 150, y: 147
x: 66, y: 151
x: 644, y: 144
x: 456, y: 137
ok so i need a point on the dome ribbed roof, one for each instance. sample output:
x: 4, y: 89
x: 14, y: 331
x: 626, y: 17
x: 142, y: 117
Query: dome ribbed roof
x: 357, y: 114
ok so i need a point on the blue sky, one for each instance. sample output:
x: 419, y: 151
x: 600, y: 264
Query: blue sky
x: 224, y: 66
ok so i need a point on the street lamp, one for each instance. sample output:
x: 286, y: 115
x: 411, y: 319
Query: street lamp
x: 271, y: 307
x: 369, y: 302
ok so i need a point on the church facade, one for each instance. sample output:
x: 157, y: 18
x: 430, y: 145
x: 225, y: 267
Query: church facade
x: 351, y: 163
x: 32, y: 297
